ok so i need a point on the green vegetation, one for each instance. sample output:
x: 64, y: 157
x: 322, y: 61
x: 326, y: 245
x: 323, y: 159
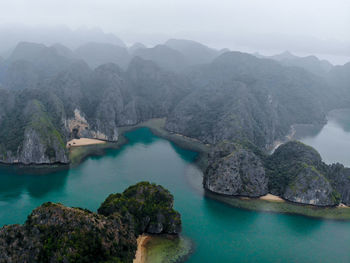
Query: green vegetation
x: 65, y: 234
x: 149, y: 205
x: 87, y: 246
x: 288, y: 161
x: 30, y: 114
x: 42, y: 124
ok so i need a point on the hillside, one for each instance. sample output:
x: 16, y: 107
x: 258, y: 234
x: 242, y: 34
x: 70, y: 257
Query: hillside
x: 56, y: 233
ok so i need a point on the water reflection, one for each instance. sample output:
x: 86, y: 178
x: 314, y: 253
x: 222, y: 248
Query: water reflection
x: 302, y: 225
x: 225, y: 213
x: 14, y: 184
x: 333, y: 141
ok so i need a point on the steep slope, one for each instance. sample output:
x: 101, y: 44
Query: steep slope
x: 239, y: 96
x: 30, y: 64
x: 165, y: 57
x: 339, y: 79
x: 296, y: 172
x: 154, y: 91
x: 55, y: 233
x: 310, y: 63
x: 135, y: 47
x: 194, y: 52
x: 92, y: 104
x: 235, y: 170
x: 96, y: 54
x: 148, y: 206
x: 32, y: 129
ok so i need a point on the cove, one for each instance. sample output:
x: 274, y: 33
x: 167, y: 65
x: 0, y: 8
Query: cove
x: 221, y: 233
x: 332, y: 141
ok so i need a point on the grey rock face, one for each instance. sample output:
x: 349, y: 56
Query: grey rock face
x: 32, y: 136
x: 55, y: 233
x: 310, y: 187
x: 235, y: 171
x: 296, y: 172
x: 34, y: 151
x: 239, y: 97
x: 340, y: 179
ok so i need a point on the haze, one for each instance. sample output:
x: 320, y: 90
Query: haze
x: 318, y: 27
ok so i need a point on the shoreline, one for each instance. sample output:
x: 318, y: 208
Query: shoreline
x: 272, y: 198
x: 83, y: 142
x: 156, y: 125
x: 140, y: 255
x: 271, y: 204
x: 78, y: 154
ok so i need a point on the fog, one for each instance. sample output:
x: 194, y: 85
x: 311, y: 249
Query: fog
x: 320, y: 27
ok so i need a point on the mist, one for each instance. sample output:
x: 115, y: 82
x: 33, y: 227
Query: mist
x: 268, y: 27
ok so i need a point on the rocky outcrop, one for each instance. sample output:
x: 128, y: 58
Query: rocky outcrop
x: 296, y: 172
x: 234, y: 170
x: 148, y: 206
x: 310, y: 187
x: 55, y: 233
x: 339, y: 177
x: 33, y: 137
x: 78, y: 127
x: 240, y: 97
x: 163, y: 56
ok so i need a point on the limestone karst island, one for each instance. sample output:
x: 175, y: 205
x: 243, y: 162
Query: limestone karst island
x: 181, y: 131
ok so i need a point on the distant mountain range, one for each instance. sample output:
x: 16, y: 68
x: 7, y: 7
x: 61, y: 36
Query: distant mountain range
x: 51, y: 94
x: 309, y: 63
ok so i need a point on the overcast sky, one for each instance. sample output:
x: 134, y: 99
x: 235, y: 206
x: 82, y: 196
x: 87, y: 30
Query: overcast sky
x: 302, y: 26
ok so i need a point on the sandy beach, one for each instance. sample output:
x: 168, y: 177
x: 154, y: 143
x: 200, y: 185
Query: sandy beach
x: 343, y: 206
x: 140, y: 256
x: 270, y: 197
x: 83, y: 141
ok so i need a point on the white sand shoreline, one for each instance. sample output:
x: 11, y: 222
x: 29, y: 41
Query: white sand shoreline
x: 270, y: 197
x: 83, y: 142
x: 140, y: 256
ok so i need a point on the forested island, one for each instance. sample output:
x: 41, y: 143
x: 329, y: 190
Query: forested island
x: 56, y: 233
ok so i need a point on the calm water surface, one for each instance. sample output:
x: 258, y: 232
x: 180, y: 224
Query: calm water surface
x: 221, y: 233
x: 333, y: 140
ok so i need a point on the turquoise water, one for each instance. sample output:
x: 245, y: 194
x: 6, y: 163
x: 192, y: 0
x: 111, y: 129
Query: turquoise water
x: 221, y: 233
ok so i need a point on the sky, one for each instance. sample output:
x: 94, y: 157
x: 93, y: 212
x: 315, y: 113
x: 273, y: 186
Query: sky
x: 267, y: 26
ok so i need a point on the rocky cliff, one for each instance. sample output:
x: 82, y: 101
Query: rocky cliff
x: 49, y: 96
x: 294, y: 172
x: 55, y: 233
x: 234, y: 97
x: 240, y: 97
x: 31, y: 130
x: 148, y: 206
x: 339, y: 177
x: 297, y: 173
x: 234, y: 170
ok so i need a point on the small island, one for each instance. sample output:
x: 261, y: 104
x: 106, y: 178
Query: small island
x: 294, y: 179
x: 56, y: 233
